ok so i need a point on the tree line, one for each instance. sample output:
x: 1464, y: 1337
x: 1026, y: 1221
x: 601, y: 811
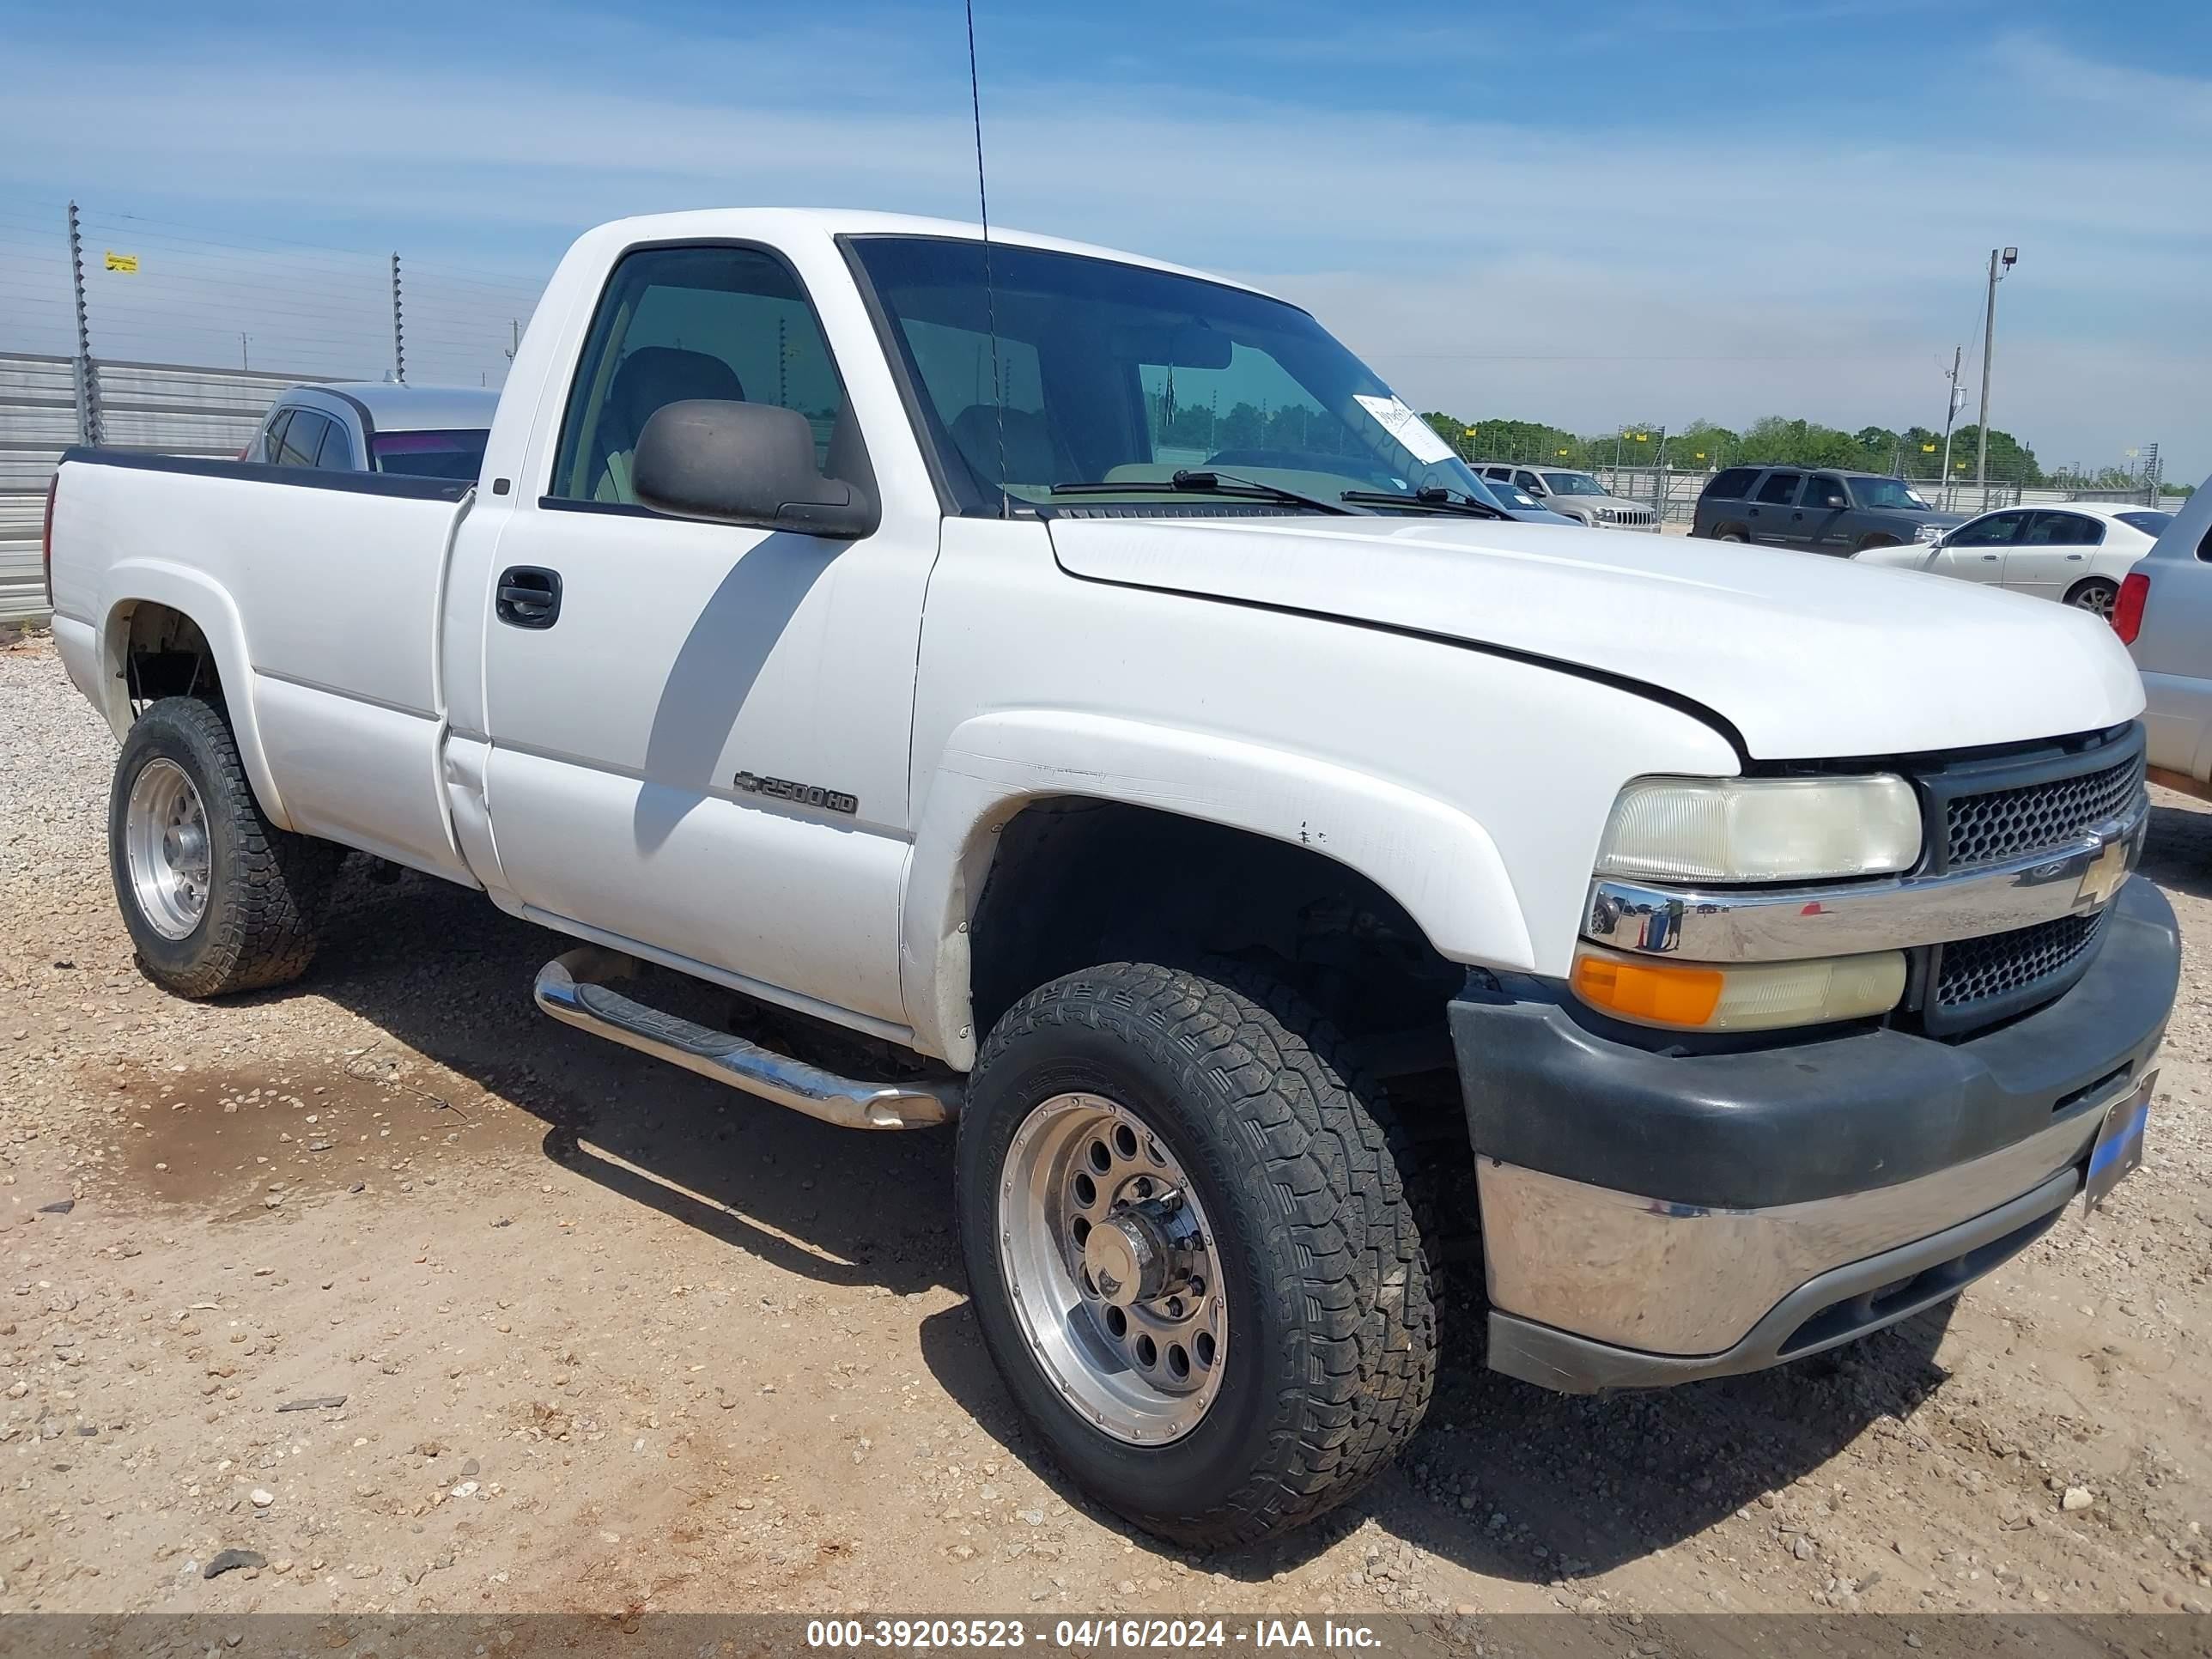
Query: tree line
x: 1705, y: 445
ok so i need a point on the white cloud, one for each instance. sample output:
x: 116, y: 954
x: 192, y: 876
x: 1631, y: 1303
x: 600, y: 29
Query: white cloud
x: 1565, y: 275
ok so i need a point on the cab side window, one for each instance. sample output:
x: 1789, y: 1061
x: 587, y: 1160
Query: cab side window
x: 1823, y: 492
x: 1779, y: 489
x: 730, y: 323
x: 336, y: 453
x: 302, y: 436
x: 274, y: 436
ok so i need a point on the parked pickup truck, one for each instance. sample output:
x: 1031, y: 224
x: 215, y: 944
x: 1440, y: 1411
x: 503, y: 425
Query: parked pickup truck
x: 1238, y: 855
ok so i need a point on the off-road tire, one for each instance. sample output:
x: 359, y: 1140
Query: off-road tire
x: 1331, y: 1353
x: 265, y: 884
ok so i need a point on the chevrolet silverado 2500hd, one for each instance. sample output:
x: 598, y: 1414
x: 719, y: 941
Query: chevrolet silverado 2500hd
x: 854, y: 615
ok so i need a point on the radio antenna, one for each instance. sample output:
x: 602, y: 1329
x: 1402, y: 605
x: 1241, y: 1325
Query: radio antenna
x: 990, y: 289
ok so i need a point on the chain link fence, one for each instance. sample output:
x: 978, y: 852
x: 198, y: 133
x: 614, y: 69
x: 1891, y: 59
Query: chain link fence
x: 144, y: 334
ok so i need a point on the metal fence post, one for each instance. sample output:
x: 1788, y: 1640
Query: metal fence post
x: 86, y: 377
x: 398, y: 328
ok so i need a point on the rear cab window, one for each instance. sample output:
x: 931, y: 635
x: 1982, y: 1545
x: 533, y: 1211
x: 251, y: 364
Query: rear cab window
x: 455, y: 455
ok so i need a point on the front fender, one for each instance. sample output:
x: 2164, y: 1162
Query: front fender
x: 131, y: 582
x: 1433, y: 860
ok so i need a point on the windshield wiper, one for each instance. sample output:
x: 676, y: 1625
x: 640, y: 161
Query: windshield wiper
x: 1434, y: 496
x: 1190, y: 482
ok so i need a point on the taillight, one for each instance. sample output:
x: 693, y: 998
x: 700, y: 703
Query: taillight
x: 46, y: 537
x: 2127, y: 613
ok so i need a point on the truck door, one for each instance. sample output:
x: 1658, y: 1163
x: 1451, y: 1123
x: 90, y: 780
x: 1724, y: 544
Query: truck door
x: 1768, y: 512
x: 699, y: 732
x: 1820, y: 520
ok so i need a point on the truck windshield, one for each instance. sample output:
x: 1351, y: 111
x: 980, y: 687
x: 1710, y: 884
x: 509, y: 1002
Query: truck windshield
x: 1887, y: 492
x: 1072, y: 369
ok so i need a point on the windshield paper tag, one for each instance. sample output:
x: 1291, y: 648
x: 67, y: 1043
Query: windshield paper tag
x: 1411, y: 431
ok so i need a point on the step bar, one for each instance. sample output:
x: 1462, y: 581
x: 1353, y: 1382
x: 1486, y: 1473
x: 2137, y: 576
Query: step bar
x: 572, y: 988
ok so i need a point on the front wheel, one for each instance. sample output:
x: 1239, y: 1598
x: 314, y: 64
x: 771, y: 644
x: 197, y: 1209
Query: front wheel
x: 2097, y: 595
x: 1191, y: 1250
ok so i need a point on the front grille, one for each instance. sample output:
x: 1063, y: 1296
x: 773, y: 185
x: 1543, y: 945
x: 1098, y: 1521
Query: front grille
x: 2010, y: 822
x: 1975, y: 974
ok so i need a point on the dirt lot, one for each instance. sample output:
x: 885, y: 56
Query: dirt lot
x: 607, y: 1336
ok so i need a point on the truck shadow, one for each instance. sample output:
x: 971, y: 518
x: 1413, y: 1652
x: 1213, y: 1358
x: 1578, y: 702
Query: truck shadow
x: 448, y: 975
x: 1582, y: 1484
x: 1512, y: 1482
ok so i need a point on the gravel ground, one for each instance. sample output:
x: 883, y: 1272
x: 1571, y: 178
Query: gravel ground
x: 569, y: 1330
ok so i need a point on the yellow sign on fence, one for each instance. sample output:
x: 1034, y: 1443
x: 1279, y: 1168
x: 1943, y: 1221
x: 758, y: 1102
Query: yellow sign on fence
x: 125, y: 263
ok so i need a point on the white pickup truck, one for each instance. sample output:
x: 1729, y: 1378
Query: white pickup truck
x: 1085, y: 681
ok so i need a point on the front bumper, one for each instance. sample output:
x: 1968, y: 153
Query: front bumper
x: 1650, y: 1218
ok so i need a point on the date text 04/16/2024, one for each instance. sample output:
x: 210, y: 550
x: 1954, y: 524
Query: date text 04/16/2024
x: 1166, y: 1635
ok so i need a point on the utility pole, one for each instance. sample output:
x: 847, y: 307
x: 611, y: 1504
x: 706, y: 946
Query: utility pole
x: 399, y: 328
x: 88, y: 379
x: 1950, y: 417
x: 243, y: 362
x: 2008, y: 256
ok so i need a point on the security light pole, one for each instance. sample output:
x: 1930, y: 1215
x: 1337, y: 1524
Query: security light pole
x: 2008, y: 257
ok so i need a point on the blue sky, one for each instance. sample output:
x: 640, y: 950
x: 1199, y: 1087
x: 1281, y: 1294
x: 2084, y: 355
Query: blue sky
x: 1616, y: 212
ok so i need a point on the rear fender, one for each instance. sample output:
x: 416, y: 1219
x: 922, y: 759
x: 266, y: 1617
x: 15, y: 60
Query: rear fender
x: 132, y: 582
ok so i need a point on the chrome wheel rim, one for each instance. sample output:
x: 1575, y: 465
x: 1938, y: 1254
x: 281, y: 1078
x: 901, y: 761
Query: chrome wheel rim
x: 165, y: 843
x: 1112, y: 1269
x: 2098, y: 601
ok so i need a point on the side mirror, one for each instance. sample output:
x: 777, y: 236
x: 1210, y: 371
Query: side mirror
x: 745, y: 464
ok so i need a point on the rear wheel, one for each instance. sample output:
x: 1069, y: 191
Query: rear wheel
x: 216, y: 897
x: 2097, y: 595
x: 1190, y: 1248
x: 1730, y: 534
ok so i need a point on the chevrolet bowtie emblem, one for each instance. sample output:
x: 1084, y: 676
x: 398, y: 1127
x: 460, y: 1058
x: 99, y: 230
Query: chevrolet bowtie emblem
x: 2104, y: 874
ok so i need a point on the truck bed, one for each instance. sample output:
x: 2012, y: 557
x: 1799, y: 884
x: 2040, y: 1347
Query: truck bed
x: 327, y: 591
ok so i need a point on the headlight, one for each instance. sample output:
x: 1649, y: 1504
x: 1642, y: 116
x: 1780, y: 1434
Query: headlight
x: 1761, y: 996
x: 1746, y: 830
x: 1928, y: 532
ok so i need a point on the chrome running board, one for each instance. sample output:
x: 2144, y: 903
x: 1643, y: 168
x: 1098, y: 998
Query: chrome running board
x: 573, y: 989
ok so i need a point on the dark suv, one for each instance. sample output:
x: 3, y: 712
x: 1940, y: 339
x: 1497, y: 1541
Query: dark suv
x: 1817, y: 510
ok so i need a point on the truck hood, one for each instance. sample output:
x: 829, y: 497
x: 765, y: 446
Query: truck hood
x: 1806, y: 656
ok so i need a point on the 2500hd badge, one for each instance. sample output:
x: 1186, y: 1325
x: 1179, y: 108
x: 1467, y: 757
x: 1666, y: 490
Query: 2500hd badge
x: 803, y: 794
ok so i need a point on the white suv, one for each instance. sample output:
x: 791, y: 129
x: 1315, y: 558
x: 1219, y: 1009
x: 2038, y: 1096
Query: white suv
x: 1576, y: 495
